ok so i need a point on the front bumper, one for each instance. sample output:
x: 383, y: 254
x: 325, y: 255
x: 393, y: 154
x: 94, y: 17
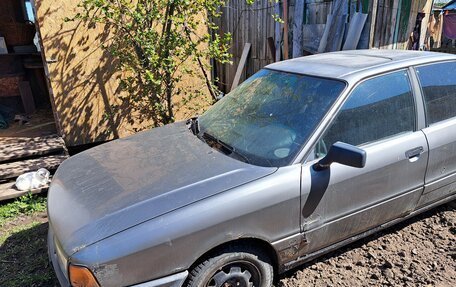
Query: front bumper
x: 175, y: 280
x: 54, y: 259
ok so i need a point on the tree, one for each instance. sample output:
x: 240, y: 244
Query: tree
x: 152, y: 40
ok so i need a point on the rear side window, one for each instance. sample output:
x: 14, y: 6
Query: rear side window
x: 378, y: 108
x: 439, y: 87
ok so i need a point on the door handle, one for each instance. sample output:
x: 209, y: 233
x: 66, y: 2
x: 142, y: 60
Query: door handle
x: 414, y: 152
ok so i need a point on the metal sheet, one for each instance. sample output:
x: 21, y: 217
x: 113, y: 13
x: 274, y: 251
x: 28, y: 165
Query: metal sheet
x: 354, y: 31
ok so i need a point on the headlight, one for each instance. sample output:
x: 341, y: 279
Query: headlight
x: 81, y: 276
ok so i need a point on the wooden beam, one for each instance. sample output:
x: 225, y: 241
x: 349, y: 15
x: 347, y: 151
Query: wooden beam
x: 241, y: 65
x: 424, y: 24
x: 27, y: 97
x: 9, y: 191
x: 14, y: 169
x: 298, y: 20
x: 18, y: 148
x: 373, y: 23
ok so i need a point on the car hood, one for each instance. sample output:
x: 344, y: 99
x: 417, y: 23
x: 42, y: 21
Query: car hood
x: 117, y: 185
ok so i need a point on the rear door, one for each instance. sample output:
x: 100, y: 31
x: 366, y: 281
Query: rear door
x: 380, y: 117
x: 438, y: 82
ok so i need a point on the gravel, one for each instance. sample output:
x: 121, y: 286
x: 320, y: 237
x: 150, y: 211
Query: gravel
x: 418, y: 252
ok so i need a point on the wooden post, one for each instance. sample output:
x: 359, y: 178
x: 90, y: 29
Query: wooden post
x: 373, y: 24
x: 424, y: 24
x: 27, y: 97
x: 395, y: 16
x: 398, y: 23
x: 297, y: 27
x: 285, y: 29
x: 241, y: 65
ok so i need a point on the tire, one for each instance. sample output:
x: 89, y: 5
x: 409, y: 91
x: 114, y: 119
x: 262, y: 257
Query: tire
x: 234, y: 267
x: 452, y: 204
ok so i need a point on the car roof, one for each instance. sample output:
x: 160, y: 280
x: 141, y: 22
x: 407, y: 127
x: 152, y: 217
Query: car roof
x: 346, y: 64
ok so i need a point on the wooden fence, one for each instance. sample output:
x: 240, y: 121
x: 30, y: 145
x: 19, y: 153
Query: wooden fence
x: 394, y: 21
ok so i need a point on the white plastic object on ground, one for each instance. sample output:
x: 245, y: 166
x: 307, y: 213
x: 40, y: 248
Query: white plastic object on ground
x: 33, y: 180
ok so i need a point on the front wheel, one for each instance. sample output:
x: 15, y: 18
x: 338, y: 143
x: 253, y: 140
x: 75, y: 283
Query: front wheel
x: 243, y: 268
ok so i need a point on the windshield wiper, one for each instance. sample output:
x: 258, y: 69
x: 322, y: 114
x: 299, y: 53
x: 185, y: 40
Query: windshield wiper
x: 193, y: 125
x: 227, y: 147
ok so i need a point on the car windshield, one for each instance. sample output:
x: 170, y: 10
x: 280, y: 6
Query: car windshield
x: 266, y: 120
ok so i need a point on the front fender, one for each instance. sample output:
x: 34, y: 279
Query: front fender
x: 267, y: 209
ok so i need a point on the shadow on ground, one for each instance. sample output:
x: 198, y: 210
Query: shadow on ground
x: 24, y: 259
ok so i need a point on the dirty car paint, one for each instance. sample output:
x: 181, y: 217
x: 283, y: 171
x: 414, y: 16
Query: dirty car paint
x: 112, y: 187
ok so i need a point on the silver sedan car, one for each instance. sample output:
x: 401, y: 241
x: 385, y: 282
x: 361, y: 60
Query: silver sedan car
x: 304, y: 157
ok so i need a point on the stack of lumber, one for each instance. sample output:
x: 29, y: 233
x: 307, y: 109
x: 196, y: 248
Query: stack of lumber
x: 19, y: 155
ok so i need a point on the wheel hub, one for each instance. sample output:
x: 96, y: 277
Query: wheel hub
x: 235, y: 277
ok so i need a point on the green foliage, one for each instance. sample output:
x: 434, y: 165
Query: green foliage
x: 26, y: 204
x: 153, y: 41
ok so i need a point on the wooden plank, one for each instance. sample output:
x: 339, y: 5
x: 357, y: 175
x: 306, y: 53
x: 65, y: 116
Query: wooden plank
x: 9, y: 191
x: 14, y: 169
x: 397, y: 25
x: 366, y: 8
x: 285, y: 29
x: 336, y: 33
x: 278, y: 32
x: 241, y: 65
x: 26, y: 140
x: 379, y: 24
x: 27, y: 97
x: 393, y: 24
x: 424, y: 24
x: 298, y: 19
x: 27, y: 147
x: 373, y: 24
x: 271, y: 47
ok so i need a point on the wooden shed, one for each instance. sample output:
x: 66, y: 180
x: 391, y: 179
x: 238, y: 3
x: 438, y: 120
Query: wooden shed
x: 30, y: 135
x: 57, y: 87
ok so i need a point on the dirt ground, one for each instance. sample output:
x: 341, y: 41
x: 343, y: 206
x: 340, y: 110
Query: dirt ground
x: 417, y: 252
x: 23, y: 252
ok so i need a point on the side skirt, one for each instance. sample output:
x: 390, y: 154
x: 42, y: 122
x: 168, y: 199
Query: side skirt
x: 309, y: 257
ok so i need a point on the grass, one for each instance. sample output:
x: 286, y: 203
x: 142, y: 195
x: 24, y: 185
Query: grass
x: 25, y: 205
x: 23, y: 243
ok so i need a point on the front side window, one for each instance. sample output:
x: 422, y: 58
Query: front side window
x: 438, y: 82
x: 267, y: 119
x: 377, y: 108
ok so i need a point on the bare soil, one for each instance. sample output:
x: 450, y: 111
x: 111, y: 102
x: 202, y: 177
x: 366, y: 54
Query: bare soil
x: 418, y: 252
x: 23, y: 252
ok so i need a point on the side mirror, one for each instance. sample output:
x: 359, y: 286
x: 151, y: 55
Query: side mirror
x: 342, y: 153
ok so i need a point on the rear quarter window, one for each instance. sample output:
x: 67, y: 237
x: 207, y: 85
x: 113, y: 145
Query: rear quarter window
x: 438, y: 82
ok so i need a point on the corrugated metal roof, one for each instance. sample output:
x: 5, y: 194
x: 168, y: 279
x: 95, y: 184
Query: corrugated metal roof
x: 450, y: 6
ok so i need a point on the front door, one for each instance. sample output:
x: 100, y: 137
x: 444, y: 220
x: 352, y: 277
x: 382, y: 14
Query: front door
x: 380, y: 117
